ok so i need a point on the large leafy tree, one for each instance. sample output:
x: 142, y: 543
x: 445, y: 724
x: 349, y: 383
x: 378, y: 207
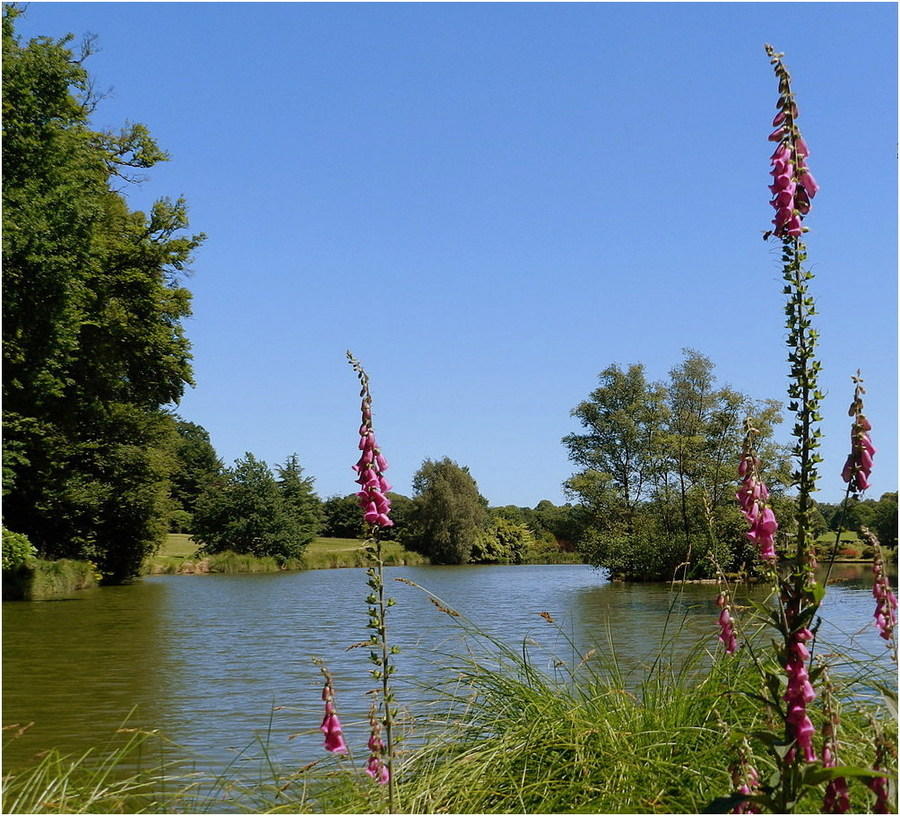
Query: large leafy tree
x: 658, y: 469
x: 447, y: 514
x: 93, y: 344
x: 620, y: 449
x: 703, y: 436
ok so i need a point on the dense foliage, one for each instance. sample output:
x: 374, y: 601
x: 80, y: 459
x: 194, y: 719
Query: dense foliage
x: 503, y: 541
x: 559, y: 525
x: 658, y: 471
x: 447, y: 515
x: 248, y: 511
x: 196, y: 466
x: 93, y: 346
x: 341, y: 517
x: 17, y: 549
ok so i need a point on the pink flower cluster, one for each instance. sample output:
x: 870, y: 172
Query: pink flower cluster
x: 331, y: 725
x: 858, y: 466
x: 799, y: 693
x: 376, y: 768
x: 748, y: 788
x: 753, y: 498
x: 793, y: 186
x: 879, y: 784
x: 837, y: 797
x: 745, y: 779
x: 726, y: 625
x: 885, y: 600
x: 370, y: 467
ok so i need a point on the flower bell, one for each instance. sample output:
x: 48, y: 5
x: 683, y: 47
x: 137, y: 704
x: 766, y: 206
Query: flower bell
x: 793, y: 185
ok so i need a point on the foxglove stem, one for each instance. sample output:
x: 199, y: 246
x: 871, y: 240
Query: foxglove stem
x: 858, y: 467
x: 879, y: 784
x: 792, y: 189
x: 792, y: 174
x: 376, y: 514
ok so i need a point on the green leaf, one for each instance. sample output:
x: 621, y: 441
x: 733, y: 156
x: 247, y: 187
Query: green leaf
x: 890, y: 700
x: 771, y: 740
x: 814, y: 775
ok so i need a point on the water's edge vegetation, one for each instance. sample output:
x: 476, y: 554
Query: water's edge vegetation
x: 501, y: 735
x: 39, y: 580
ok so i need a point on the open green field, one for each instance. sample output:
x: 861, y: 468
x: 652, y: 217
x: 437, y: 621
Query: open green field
x: 179, y: 554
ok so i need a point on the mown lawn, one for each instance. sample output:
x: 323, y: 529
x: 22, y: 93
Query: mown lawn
x: 322, y: 553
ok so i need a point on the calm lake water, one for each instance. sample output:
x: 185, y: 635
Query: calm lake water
x: 206, y: 659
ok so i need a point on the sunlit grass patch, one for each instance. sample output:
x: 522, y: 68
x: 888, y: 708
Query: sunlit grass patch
x: 179, y: 554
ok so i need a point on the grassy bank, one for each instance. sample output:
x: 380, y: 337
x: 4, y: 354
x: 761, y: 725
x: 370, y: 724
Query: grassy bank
x: 42, y: 580
x: 178, y: 555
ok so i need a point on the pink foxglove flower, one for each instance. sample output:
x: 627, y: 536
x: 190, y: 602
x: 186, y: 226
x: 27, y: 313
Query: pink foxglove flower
x: 858, y: 467
x: 376, y: 767
x: 793, y: 184
x: 726, y: 625
x: 370, y: 467
x: 799, y: 693
x: 331, y: 725
x: 753, y: 498
x: 885, y: 599
x: 745, y: 779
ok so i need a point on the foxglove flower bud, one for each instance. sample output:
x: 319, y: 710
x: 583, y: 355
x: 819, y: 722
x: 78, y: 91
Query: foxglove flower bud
x: 331, y: 725
x: 753, y: 498
x: 726, y: 625
x: 376, y: 767
x: 858, y: 467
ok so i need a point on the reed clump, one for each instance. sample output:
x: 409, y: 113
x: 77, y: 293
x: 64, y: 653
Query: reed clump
x: 126, y: 776
x: 40, y: 580
x: 583, y: 736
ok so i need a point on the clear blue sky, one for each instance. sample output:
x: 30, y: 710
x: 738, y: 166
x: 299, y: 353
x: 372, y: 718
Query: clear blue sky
x: 490, y: 203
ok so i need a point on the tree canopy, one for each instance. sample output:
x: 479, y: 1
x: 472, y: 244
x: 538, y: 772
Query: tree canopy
x: 658, y: 469
x: 447, y: 514
x: 93, y: 343
x: 246, y: 510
